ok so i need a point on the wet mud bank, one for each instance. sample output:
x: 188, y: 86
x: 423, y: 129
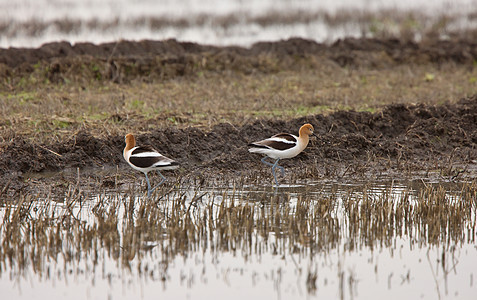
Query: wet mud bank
x: 123, y: 61
x: 404, y: 139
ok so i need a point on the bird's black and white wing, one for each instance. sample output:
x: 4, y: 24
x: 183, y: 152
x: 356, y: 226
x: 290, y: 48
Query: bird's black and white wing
x: 147, y: 158
x: 280, y: 142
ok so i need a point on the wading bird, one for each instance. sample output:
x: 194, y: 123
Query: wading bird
x: 282, y: 145
x: 146, y: 159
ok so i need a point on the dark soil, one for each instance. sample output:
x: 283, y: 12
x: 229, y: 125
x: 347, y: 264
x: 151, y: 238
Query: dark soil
x: 350, y: 51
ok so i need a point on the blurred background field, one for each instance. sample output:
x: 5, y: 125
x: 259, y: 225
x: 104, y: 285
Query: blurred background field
x: 28, y: 23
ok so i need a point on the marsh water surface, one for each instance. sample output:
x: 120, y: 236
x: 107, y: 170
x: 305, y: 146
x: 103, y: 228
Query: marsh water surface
x: 315, y: 240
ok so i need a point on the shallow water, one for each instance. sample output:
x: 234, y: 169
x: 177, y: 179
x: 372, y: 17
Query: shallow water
x: 302, y: 241
x: 28, y: 23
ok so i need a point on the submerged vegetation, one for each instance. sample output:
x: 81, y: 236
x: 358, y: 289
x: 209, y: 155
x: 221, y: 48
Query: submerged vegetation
x: 48, y: 238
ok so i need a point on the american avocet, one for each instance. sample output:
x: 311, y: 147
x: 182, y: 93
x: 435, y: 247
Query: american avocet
x: 282, y: 145
x: 146, y: 159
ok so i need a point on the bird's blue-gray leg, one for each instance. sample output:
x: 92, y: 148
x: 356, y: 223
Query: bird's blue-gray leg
x: 266, y: 162
x: 274, y: 166
x: 162, y: 181
x: 149, y: 191
x: 270, y: 164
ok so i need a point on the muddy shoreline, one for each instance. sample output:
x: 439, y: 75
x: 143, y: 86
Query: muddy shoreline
x: 402, y: 139
x: 398, y: 139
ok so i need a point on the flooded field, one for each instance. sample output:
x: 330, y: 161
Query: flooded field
x: 382, y: 203
x: 29, y: 23
x: 331, y: 240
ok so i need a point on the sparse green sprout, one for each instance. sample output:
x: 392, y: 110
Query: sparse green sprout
x: 429, y: 77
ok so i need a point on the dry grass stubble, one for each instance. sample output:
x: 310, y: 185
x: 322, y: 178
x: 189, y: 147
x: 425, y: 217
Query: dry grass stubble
x: 52, y: 111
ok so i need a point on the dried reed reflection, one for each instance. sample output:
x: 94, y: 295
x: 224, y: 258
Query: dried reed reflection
x: 74, y: 236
